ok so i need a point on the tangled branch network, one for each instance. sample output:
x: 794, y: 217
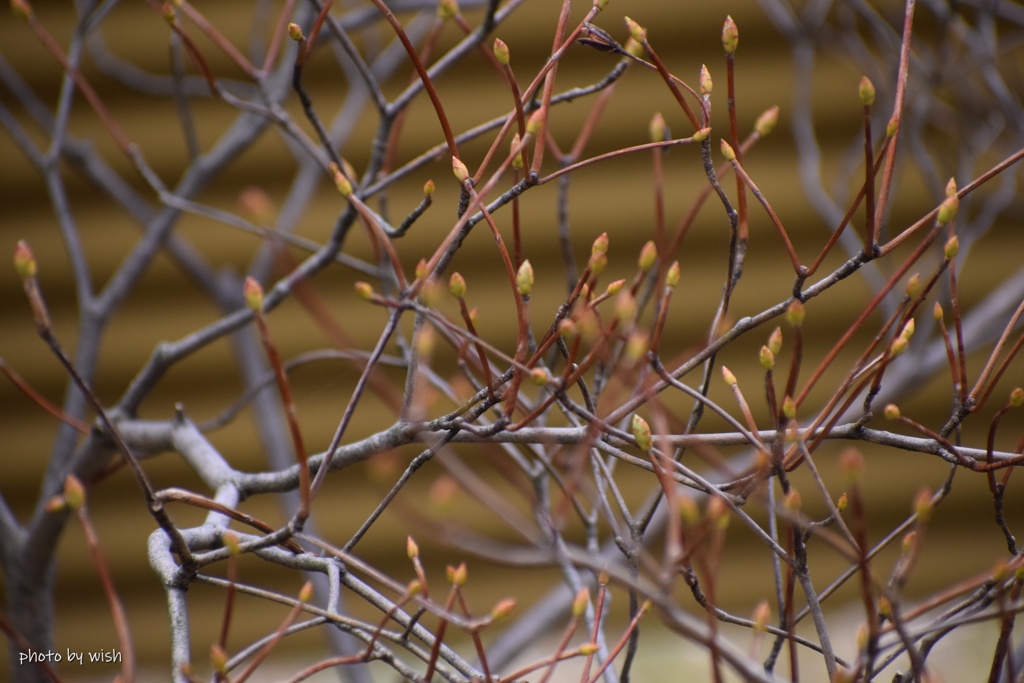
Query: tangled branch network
x: 708, y: 406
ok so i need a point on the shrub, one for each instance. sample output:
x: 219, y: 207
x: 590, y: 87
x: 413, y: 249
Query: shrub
x: 571, y: 391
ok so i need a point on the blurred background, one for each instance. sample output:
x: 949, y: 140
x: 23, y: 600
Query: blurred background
x: 963, y: 116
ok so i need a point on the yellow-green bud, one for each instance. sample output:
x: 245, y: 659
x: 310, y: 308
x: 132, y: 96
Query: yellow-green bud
x: 689, y: 512
x: 231, y: 542
x: 843, y: 501
x: 503, y: 608
x: 937, y: 311
x: 428, y: 188
x: 634, y: 48
x: 636, y: 346
x: 730, y: 35
x: 892, y: 127
x: 648, y: 255
x: 672, y: 276
x: 730, y: 379
x: 364, y: 290
x: 718, y: 513
x: 457, y: 285
x: 295, y: 32
x: 789, y: 408
x: 795, y: 313
x: 767, y: 358
x: 21, y: 9
x: 866, y: 91
x: 908, y: 330
x: 706, y: 84
x: 948, y: 209
x: 727, y: 151
x: 447, y: 9
x: 74, y: 492
x: 642, y: 433
x: 775, y: 341
x: 892, y: 412
x: 638, y: 32
x: 952, y: 248
x: 306, y: 592
x: 460, y: 170
x: 412, y: 549
x: 580, y: 602
x: 253, y: 294
x: 218, y: 658
x: 951, y: 187
x: 614, y: 288
x: 534, y: 122
x: 701, y: 135
x: 457, y: 576
x: 1017, y: 397
x: 517, y: 160
x: 597, y: 263
x: 765, y: 123
x: 539, y: 376
x: 923, y: 505
x: 340, y: 181
x: 24, y: 261
x: 524, y: 278
x: 421, y: 269
x: 914, y: 285
x: 656, y: 129
x: 501, y: 51
x: 625, y: 307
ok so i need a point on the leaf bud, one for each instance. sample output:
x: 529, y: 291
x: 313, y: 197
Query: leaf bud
x: 503, y: 608
x: 364, y: 290
x: 730, y: 35
x: 948, y: 209
x: 460, y: 170
x: 648, y: 255
x: 952, y: 248
x: 765, y: 123
x: 638, y: 32
x: 253, y: 294
x: 656, y: 129
x: 641, y: 432
x: 866, y: 91
x: 24, y: 261
x: 672, y: 276
x: 457, y: 285
x: 501, y: 51
x: 524, y: 278
x: 74, y: 492
x: 706, y: 84
x: 795, y: 313
x: 727, y: 151
x: 775, y: 340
